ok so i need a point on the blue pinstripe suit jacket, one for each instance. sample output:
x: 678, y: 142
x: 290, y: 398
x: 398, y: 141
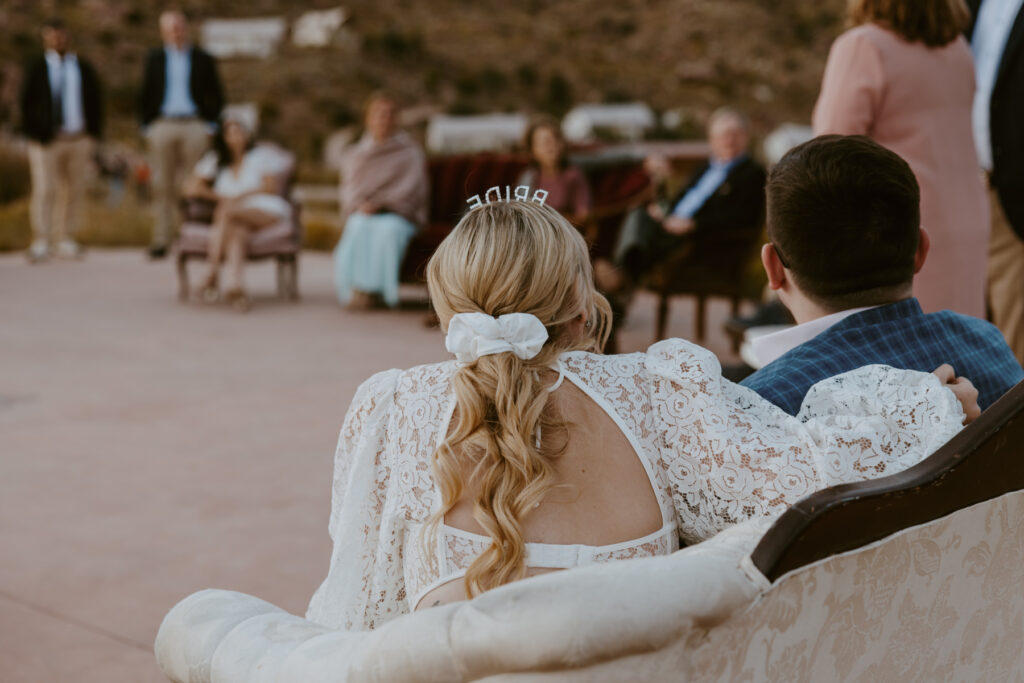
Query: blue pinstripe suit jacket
x: 900, y: 335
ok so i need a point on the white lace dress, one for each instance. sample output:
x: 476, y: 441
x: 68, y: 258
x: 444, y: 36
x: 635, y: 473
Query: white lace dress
x: 716, y: 454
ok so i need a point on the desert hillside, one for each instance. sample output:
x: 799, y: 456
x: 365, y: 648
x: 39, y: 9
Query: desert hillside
x: 456, y: 56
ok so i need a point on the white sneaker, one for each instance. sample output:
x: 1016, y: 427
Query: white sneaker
x: 38, y: 251
x: 69, y: 248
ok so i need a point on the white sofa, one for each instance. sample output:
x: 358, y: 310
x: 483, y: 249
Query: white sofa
x: 936, y: 594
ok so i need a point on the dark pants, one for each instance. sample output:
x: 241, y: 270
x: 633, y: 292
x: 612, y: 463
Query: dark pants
x: 643, y: 244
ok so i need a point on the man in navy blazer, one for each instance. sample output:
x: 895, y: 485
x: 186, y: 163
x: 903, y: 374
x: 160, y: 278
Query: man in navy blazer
x: 845, y: 243
x: 179, y: 106
x: 997, y: 41
x: 62, y: 117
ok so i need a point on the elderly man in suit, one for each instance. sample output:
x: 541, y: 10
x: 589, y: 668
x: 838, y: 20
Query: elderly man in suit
x: 997, y: 41
x: 724, y: 197
x: 181, y: 101
x: 62, y: 116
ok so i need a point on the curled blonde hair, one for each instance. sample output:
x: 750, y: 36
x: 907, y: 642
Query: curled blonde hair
x: 509, y: 257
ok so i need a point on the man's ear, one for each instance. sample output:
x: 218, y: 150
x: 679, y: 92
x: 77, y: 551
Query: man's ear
x: 924, y: 243
x: 773, y: 266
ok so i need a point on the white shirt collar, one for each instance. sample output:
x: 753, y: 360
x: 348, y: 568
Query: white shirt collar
x: 55, y: 59
x: 769, y: 347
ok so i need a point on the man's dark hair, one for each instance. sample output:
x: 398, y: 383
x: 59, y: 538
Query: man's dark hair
x: 844, y: 215
x: 55, y: 23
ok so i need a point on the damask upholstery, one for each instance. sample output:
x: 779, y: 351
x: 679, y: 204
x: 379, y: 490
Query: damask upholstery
x: 937, y: 602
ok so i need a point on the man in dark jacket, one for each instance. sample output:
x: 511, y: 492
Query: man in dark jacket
x: 62, y: 116
x: 181, y: 100
x: 997, y: 40
x: 722, y: 203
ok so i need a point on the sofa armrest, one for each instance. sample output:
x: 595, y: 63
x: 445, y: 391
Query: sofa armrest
x: 552, y: 622
x: 194, y: 628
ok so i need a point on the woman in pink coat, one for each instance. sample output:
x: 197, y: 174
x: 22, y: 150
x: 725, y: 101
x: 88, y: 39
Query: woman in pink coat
x: 904, y: 76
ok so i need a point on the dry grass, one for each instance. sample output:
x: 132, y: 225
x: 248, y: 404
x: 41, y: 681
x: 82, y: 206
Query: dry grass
x: 321, y: 229
x: 14, y: 226
x: 129, y: 224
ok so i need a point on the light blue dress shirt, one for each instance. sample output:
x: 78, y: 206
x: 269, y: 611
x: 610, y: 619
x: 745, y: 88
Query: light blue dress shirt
x: 694, y: 199
x: 66, y: 86
x: 177, y: 94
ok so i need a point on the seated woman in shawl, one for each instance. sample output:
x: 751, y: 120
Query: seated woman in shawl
x: 384, y: 197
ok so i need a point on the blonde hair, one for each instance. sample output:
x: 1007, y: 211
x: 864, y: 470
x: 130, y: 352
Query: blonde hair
x: 509, y: 257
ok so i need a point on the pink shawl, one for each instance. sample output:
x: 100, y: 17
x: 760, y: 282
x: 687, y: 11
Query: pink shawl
x: 391, y: 174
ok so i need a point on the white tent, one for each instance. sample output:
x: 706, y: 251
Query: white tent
x: 243, y: 37
x: 486, y: 132
x: 316, y: 28
x: 629, y: 121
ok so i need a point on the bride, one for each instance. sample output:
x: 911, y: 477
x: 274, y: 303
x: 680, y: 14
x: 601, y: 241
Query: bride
x: 530, y: 452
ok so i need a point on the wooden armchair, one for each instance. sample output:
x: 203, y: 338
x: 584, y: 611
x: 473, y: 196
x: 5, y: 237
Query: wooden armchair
x: 281, y: 241
x: 707, y: 269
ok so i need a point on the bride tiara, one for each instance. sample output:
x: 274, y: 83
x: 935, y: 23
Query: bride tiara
x: 521, y: 193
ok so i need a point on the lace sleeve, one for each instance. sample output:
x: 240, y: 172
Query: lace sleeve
x: 731, y: 456
x: 361, y: 585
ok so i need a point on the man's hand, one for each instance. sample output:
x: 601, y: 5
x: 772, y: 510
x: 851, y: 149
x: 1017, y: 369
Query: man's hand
x: 678, y: 226
x: 962, y: 389
x: 369, y: 208
x: 655, y: 211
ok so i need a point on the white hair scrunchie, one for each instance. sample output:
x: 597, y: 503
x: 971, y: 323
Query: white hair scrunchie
x: 472, y: 335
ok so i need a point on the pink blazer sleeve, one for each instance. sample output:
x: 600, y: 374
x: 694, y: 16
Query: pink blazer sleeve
x: 852, y: 88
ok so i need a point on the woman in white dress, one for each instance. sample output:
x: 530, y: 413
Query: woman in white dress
x: 244, y: 180
x: 531, y: 452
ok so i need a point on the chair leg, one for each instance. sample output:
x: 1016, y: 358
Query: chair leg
x: 736, y: 339
x: 293, y: 282
x: 282, y: 277
x: 702, y: 306
x: 182, y: 262
x: 662, y: 319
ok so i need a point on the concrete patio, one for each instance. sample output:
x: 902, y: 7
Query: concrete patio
x: 150, y: 448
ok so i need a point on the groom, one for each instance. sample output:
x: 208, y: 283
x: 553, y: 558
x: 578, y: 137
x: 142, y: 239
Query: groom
x: 845, y: 243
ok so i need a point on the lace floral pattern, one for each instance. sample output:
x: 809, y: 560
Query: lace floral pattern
x: 717, y: 454
x: 660, y: 546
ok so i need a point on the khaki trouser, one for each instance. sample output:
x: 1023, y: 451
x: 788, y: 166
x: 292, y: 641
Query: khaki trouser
x: 1006, y: 279
x: 59, y: 170
x: 175, y: 145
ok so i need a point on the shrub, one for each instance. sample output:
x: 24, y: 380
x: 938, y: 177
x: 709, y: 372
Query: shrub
x: 15, y: 181
x: 319, y: 232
